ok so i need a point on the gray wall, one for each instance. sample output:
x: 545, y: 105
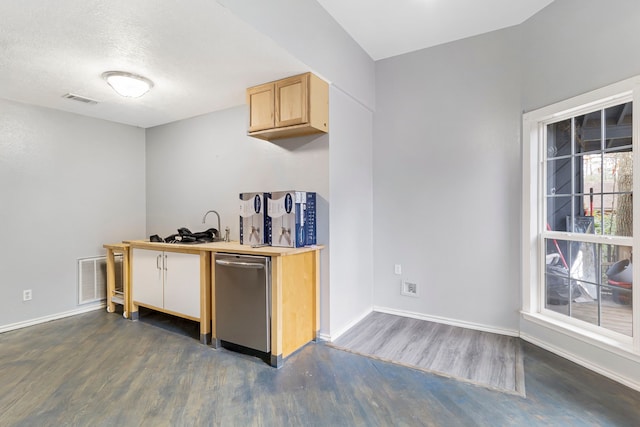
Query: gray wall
x: 308, y: 32
x: 575, y: 46
x: 569, y: 48
x: 203, y: 163
x: 446, y: 202
x: 68, y: 184
x: 351, y: 172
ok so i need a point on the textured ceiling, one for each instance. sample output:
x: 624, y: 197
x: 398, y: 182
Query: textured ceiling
x: 199, y: 55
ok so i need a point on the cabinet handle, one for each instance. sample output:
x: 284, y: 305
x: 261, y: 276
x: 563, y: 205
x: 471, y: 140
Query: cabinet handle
x: 165, y: 263
x: 158, y: 262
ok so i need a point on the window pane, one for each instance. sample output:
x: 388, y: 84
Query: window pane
x: 617, y: 266
x: 558, y: 209
x: 588, y: 132
x: 559, y: 139
x: 590, y: 282
x: 618, y: 130
x: 618, y: 187
x: 616, y: 314
x: 603, y: 220
x: 556, y: 275
x: 581, y: 224
x: 558, y: 306
x: 559, y: 177
x: 584, y: 265
x: 591, y: 174
x: 617, y: 171
x: 557, y: 286
x: 585, y: 309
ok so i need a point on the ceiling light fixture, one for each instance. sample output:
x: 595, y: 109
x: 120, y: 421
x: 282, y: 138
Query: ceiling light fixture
x: 127, y: 84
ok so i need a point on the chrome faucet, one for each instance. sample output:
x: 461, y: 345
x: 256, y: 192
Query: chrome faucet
x: 204, y: 218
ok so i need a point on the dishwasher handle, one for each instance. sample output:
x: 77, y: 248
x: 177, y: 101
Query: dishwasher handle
x: 240, y: 264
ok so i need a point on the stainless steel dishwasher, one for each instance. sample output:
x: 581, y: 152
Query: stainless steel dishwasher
x: 243, y: 300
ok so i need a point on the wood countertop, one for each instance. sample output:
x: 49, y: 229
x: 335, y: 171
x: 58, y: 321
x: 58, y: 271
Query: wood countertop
x: 231, y: 247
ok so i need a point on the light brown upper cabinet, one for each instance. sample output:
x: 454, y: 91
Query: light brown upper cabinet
x: 294, y: 106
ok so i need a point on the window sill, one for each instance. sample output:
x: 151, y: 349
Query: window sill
x: 588, y: 337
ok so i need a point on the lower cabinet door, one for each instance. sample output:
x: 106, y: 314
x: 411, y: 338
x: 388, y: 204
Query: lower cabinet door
x: 182, y: 283
x: 147, y: 277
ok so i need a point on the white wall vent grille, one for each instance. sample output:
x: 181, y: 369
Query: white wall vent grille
x: 92, y: 278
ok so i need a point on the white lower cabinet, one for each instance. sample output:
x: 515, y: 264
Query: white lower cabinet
x: 167, y: 280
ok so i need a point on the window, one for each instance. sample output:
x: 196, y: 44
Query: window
x: 579, y: 158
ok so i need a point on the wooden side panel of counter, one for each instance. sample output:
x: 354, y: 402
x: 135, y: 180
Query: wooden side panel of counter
x: 276, y: 311
x: 123, y: 249
x: 299, y: 300
x: 205, y: 297
x: 215, y: 342
x: 316, y: 266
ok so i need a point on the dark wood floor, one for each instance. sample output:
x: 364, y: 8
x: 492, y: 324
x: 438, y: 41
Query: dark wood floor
x: 98, y: 369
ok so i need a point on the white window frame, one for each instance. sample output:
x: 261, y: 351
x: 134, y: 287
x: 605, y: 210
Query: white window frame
x: 534, y: 214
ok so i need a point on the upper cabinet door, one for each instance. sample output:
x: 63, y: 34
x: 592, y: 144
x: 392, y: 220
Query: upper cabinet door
x: 292, y: 101
x: 261, y: 107
x: 290, y: 107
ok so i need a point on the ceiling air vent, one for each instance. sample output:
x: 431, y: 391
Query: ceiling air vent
x: 79, y: 98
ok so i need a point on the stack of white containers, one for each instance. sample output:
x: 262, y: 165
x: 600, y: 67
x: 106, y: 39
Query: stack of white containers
x: 289, y: 219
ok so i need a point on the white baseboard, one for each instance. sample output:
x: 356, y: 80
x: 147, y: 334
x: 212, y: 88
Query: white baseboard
x: 334, y: 336
x: 31, y: 322
x: 582, y: 362
x: 447, y: 321
x: 324, y: 337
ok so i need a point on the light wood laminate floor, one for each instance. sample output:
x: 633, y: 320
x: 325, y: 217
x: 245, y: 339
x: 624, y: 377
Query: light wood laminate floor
x: 98, y: 369
x: 481, y: 358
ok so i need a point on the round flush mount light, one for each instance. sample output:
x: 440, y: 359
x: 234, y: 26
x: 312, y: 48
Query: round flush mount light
x: 127, y: 84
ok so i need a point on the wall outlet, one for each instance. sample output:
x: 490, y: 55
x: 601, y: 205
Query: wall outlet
x: 26, y: 295
x: 409, y: 289
x: 397, y: 269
